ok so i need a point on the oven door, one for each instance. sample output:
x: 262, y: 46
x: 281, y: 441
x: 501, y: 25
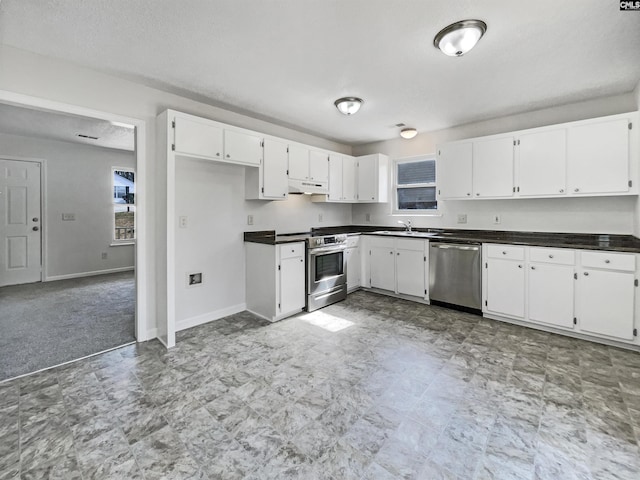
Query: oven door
x: 327, y: 269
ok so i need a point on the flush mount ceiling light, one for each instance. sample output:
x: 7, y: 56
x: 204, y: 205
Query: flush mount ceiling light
x: 460, y: 37
x: 348, y: 105
x: 408, y: 133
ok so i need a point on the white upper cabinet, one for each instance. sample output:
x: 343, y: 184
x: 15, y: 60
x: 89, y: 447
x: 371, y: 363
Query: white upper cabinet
x: 454, y: 167
x: 542, y: 160
x: 240, y: 147
x: 198, y: 137
x: 598, y: 157
x: 318, y: 166
x: 342, y: 178
x: 335, y: 178
x: 298, y: 162
x: 493, y: 167
x: 274, y: 169
x: 373, y: 177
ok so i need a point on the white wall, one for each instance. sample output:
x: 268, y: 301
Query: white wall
x: 78, y: 180
x: 30, y: 74
x: 588, y: 215
x: 211, y: 196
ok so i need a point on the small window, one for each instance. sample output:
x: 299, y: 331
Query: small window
x: 124, y: 205
x: 415, y: 185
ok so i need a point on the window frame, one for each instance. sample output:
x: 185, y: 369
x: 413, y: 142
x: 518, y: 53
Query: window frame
x: 395, y: 210
x: 123, y: 241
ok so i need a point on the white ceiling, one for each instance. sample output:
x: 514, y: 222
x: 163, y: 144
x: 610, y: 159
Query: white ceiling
x: 287, y: 60
x: 57, y: 126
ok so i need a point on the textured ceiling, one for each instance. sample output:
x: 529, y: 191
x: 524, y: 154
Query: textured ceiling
x: 57, y: 126
x: 288, y: 60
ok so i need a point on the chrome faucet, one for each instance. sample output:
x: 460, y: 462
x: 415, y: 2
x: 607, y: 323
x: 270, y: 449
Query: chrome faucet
x: 407, y: 225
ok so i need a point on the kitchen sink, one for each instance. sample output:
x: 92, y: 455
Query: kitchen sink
x: 407, y: 234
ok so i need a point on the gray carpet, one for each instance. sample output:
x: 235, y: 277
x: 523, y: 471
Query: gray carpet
x: 45, y: 324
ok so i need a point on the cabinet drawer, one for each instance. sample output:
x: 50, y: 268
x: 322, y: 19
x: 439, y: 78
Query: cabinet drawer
x: 609, y: 260
x: 505, y: 251
x: 290, y: 250
x: 353, y: 241
x: 559, y: 256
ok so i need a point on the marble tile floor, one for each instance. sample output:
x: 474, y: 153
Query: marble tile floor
x: 371, y: 388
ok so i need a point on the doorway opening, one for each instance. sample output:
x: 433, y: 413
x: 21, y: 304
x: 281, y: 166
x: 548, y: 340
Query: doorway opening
x: 71, y: 267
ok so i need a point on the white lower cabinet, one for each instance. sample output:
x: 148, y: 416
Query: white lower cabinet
x: 275, y: 279
x: 397, y: 265
x: 550, y: 294
x: 354, y: 265
x: 589, y: 292
x: 505, y: 287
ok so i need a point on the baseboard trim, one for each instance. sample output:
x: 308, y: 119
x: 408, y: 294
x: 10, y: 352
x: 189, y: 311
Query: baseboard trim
x: 151, y: 334
x: 87, y: 274
x: 209, y: 317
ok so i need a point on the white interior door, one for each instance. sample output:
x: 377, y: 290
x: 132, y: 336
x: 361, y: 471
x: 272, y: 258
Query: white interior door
x: 20, y: 254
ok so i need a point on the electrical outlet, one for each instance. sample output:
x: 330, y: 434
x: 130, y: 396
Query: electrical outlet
x: 249, y: 219
x: 104, y: 255
x: 183, y: 221
x: 462, y: 218
x: 367, y: 217
x: 68, y: 217
x: 194, y: 279
x: 497, y: 219
x: 320, y: 217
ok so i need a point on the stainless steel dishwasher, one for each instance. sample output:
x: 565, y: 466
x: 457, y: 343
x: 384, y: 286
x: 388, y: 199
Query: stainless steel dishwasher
x: 455, y: 274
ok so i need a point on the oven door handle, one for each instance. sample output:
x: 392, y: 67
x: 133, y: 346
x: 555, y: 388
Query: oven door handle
x: 317, y: 251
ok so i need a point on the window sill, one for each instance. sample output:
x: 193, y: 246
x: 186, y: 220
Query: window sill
x: 416, y: 214
x: 121, y: 244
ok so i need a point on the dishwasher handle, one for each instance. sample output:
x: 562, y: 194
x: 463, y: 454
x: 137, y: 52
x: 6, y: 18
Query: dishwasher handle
x: 455, y: 246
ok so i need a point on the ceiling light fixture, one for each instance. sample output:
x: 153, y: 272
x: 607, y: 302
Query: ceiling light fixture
x: 348, y: 105
x: 460, y: 37
x: 408, y: 133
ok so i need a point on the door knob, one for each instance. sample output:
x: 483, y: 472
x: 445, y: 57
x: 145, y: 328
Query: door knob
x: 35, y: 229
x: 35, y: 219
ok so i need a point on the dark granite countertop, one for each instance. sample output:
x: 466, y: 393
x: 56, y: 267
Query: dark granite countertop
x: 621, y: 243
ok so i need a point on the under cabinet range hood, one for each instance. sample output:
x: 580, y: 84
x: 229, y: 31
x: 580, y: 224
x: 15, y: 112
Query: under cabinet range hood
x: 308, y: 186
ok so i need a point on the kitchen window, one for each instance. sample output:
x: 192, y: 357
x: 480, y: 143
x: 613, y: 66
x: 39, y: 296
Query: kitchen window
x: 414, y: 186
x: 124, y: 205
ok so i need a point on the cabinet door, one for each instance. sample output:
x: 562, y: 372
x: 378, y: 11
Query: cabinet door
x: 353, y: 268
x: 274, y: 169
x: 605, y: 303
x: 493, y: 168
x: 318, y: 166
x: 335, y: 178
x: 367, y: 179
x: 410, y: 272
x: 298, y: 162
x: 198, y: 138
x: 382, y: 264
x: 505, y: 287
x: 242, y: 148
x: 348, y: 179
x: 551, y: 294
x: 542, y: 163
x: 598, y: 157
x: 454, y: 168
x: 292, y: 287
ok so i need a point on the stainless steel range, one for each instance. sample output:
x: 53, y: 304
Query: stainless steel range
x: 326, y: 270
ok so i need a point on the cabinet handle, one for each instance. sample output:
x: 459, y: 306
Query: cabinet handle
x: 504, y: 253
x: 576, y: 189
x: 519, y: 266
x: 35, y: 229
x: 302, y: 260
x: 218, y: 154
x: 533, y: 268
x: 562, y: 190
x: 586, y: 274
x: 477, y: 194
x: 550, y: 256
x: 607, y: 261
x: 468, y: 194
x: 228, y: 156
x: 390, y: 253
